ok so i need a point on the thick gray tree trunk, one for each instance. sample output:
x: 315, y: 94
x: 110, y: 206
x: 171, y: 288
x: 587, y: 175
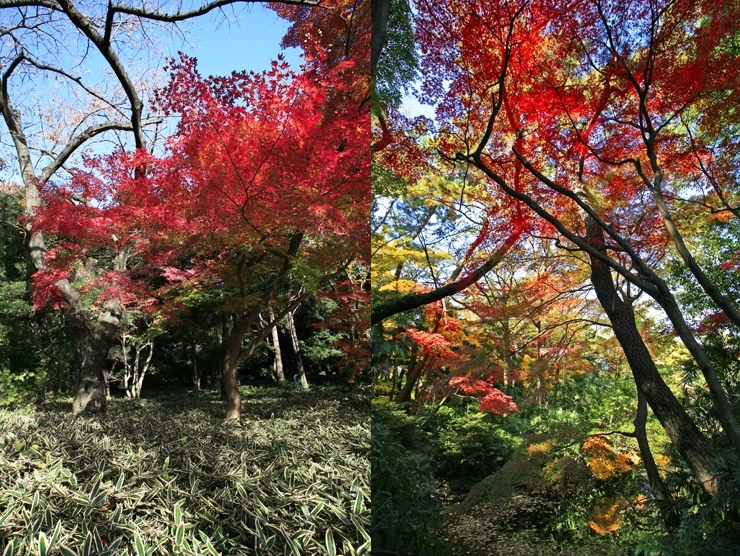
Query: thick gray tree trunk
x: 90, y: 348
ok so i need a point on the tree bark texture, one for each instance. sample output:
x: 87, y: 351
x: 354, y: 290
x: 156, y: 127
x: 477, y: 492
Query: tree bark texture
x: 196, y: 370
x: 697, y: 451
x: 90, y: 348
x: 412, y: 378
x: 380, y: 9
x: 722, y: 406
x: 415, y: 300
x: 232, y: 346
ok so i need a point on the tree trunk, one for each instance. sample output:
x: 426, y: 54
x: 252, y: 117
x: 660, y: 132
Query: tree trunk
x: 139, y: 369
x: 380, y: 10
x: 697, y: 451
x: 414, y: 300
x: 395, y: 376
x: 657, y: 486
x: 278, y: 363
x: 506, y: 352
x: 721, y: 300
x: 90, y: 349
x: 232, y: 348
x: 300, y: 372
x: 723, y: 409
x: 196, y: 371
x: 412, y: 378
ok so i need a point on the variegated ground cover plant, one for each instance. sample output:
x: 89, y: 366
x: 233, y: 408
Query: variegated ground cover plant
x: 169, y: 477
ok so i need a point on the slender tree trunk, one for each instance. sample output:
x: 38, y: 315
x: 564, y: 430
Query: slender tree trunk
x: 395, y: 375
x: 724, y: 410
x: 722, y: 301
x: 416, y: 369
x: 411, y: 379
x: 508, y: 366
x: 139, y: 369
x: 657, y: 486
x: 278, y: 363
x: 196, y: 371
x: 297, y: 351
x: 556, y: 386
x: 697, y: 451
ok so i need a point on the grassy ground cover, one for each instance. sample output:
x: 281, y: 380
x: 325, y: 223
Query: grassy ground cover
x: 167, y: 476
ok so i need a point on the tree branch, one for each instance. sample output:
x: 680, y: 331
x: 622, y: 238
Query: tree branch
x: 181, y: 16
x: 414, y: 300
x: 79, y: 140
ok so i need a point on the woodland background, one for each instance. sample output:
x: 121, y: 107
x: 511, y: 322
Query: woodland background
x: 543, y: 308
x: 555, y: 278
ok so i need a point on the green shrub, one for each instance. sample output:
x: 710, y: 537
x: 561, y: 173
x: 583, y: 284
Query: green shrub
x: 470, y: 447
x: 403, y: 512
x: 18, y: 389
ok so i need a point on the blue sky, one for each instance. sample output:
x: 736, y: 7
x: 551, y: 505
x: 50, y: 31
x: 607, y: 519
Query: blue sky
x: 243, y: 38
x: 250, y: 41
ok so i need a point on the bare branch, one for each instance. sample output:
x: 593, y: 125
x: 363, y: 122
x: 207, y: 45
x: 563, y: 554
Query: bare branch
x: 77, y: 80
x: 190, y: 14
x: 79, y: 140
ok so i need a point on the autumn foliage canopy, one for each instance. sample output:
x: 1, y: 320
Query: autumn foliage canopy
x: 256, y: 159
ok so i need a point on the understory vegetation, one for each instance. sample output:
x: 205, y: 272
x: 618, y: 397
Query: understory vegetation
x: 548, y: 480
x: 167, y: 475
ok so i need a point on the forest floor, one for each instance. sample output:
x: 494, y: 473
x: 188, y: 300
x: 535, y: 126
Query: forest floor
x: 500, y: 530
x: 510, y: 513
x: 167, y: 476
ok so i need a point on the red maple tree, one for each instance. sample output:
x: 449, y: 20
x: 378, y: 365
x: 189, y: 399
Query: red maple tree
x: 264, y: 183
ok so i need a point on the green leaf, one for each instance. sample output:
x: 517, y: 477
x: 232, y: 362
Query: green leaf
x: 178, y: 514
x: 5, y: 516
x: 94, y: 492
x: 116, y: 518
x: 35, y: 502
x: 87, y: 546
x: 10, y: 549
x: 331, y: 547
x: 98, y: 500
x: 139, y: 545
x: 179, y: 535
x: 43, y: 544
x: 66, y: 551
x: 209, y: 547
x: 317, y: 508
x: 357, y: 507
x: 56, y: 534
x: 36, y: 527
x: 364, y: 549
